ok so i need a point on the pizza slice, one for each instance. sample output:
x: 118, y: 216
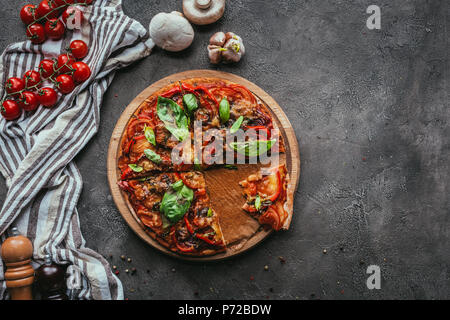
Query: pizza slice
x: 267, y: 197
x: 176, y: 210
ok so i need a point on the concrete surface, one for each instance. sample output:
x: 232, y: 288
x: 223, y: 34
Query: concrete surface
x: 370, y: 109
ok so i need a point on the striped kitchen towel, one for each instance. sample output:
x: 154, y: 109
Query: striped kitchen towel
x: 37, y: 150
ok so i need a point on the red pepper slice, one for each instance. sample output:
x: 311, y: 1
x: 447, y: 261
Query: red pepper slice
x: 277, y: 193
x: 126, y: 172
x: 132, y: 142
x: 207, y: 240
x: 189, y: 89
x: 263, y: 128
x: 209, y: 94
x: 171, y: 92
x: 188, y: 225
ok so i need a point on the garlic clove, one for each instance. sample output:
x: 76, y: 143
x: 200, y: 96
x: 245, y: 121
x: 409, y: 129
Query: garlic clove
x: 217, y: 39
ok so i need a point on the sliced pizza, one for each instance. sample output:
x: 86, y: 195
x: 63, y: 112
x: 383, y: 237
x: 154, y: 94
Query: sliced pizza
x: 175, y: 209
x: 267, y: 197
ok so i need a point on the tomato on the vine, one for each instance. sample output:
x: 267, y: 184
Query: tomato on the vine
x: 31, y: 78
x: 64, y: 83
x: 27, y: 14
x: 36, y: 33
x: 46, y: 68
x: 28, y: 101
x: 72, y: 15
x: 47, y: 97
x: 64, y: 62
x: 54, y: 29
x: 10, y: 110
x: 14, y: 84
x: 81, y: 71
x: 78, y: 48
x: 47, y: 6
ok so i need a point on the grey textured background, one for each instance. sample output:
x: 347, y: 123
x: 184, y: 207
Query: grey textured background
x: 370, y: 110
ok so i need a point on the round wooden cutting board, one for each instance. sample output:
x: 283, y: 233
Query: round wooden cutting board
x: 240, y: 230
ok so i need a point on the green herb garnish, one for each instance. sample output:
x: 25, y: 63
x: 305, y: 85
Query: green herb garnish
x: 235, y: 127
x: 176, y: 201
x: 190, y: 103
x: 135, y: 167
x: 152, y: 155
x: 253, y: 148
x: 258, y: 202
x: 150, y: 135
x: 173, y: 117
x: 224, y: 110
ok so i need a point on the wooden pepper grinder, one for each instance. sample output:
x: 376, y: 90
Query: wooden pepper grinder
x: 51, y: 280
x: 17, y: 251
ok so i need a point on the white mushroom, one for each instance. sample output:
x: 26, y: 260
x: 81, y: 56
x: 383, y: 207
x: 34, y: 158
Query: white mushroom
x: 227, y: 47
x: 203, y: 11
x: 171, y: 31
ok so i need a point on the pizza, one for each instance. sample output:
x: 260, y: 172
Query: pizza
x: 173, y: 137
x: 267, y: 197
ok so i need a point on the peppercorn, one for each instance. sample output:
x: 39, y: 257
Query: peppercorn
x: 122, y: 257
x: 266, y: 268
x: 129, y: 259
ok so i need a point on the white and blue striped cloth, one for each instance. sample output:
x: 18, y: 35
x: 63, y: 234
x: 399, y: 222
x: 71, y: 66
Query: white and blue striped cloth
x: 37, y: 150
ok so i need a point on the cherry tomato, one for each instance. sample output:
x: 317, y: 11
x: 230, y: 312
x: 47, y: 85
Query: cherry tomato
x: 36, y: 33
x: 64, y: 62
x: 54, y: 29
x: 78, y: 48
x: 82, y: 71
x: 46, y: 68
x: 31, y: 78
x: 10, y: 110
x: 14, y: 85
x: 28, y: 101
x: 65, y: 83
x: 45, y: 7
x: 71, y: 16
x: 27, y: 14
x: 47, y: 97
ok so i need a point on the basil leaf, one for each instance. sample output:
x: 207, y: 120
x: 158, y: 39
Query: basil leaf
x: 173, y: 117
x: 152, y: 155
x: 235, y: 127
x: 230, y: 167
x: 150, y: 135
x: 135, y: 167
x: 190, y: 103
x: 176, y: 201
x: 224, y: 110
x: 258, y: 202
x: 252, y: 148
x: 210, y: 213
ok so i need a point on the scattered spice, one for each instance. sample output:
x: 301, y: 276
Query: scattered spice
x: 173, y: 270
x: 282, y: 259
x: 129, y: 259
x: 122, y: 257
x: 132, y: 290
x: 266, y: 267
x: 324, y: 251
x: 148, y: 271
x: 271, y: 289
x: 110, y: 256
x: 126, y: 270
x: 116, y: 95
x: 252, y: 278
x: 361, y: 262
x: 196, y: 293
x: 117, y: 272
x: 364, y: 159
x: 114, y: 267
x: 133, y: 270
